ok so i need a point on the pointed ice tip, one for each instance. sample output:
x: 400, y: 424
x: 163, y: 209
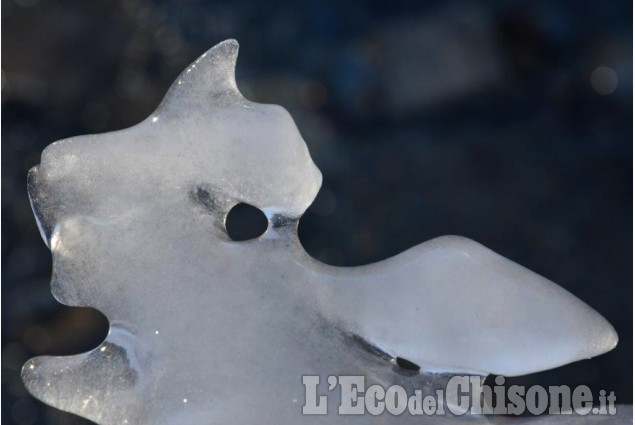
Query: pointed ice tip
x: 230, y: 42
x: 602, y: 337
x: 227, y: 49
x: 611, y: 338
x: 224, y: 52
x: 212, y: 73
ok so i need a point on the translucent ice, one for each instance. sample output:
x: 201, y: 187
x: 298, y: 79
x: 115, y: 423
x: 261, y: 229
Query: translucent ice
x: 208, y: 330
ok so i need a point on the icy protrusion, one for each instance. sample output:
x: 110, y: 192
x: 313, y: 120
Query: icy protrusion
x: 208, y: 330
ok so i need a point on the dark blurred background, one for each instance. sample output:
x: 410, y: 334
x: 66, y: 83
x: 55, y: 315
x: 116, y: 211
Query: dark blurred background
x: 506, y: 122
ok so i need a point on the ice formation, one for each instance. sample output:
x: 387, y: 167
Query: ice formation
x: 208, y: 330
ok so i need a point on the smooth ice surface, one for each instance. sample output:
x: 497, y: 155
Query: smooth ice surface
x: 208, y: 330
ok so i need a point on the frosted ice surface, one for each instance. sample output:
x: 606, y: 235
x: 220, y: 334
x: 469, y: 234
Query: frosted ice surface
x: 208, y: 330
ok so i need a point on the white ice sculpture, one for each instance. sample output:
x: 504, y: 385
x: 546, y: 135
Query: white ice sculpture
x: 206, y: 330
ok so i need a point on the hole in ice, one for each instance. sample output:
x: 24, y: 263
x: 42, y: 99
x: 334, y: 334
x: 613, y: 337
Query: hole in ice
x: 245, y: 222
x: 407, y: 364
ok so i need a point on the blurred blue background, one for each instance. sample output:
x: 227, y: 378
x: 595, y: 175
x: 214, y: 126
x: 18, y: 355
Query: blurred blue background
x: 506, y: 122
